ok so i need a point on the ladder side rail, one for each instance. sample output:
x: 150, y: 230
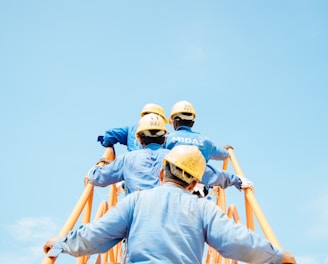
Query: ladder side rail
x: 76, y: 212
x: 255, y: 207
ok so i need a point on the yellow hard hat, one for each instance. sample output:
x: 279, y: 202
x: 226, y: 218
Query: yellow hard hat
x: 152, y: 125
x: 188, y: 159
x: 153, y: 108
x: 184, y: 110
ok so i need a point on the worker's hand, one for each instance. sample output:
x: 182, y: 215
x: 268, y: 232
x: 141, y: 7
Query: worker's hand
x: 228, y: 147
x: 86, y: 180
x: 246, y: 183
x: 120, y: 187
x: 103, y: 162
x: 49, y: 244
x: 200, y: 190
x: 288, y: 258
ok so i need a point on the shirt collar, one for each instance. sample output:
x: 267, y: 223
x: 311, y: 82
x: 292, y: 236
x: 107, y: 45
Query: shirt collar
x: 184, y: 128
x: 153, y: 146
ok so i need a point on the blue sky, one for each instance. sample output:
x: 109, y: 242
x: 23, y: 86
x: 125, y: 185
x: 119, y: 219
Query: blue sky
x: 256, y: 72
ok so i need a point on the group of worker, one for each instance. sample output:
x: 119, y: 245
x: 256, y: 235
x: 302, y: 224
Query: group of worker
x: 160, y: 218
x: 149, y: 141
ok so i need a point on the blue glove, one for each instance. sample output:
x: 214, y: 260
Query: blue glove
x: 102, y: 141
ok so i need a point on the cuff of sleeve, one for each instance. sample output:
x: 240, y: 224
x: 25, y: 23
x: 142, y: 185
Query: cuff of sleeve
x: 237, y: 183
x: 55, y: 250
x: 106, y: 144
x: 279, y: 254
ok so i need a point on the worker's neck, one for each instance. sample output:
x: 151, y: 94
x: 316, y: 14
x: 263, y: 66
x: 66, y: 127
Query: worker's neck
x: 174, y: 183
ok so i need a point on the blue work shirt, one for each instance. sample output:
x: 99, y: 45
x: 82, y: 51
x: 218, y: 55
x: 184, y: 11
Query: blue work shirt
x: 167, y: 224
x: 124, y: 135
x: 139, y: 169
x: 185, y: 136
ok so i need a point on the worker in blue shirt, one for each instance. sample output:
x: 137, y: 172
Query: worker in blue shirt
x: 139, y: 169
x: 167, y: 224
x: 182, y: 118
x: 126, y: 135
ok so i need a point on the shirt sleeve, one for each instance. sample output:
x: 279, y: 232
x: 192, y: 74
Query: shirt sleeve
x: 116, y: 135
x: 219, y: 153
x: 222, y: 178
x: 100, y: 235
x: 235, y: 241
x: 109, y: 174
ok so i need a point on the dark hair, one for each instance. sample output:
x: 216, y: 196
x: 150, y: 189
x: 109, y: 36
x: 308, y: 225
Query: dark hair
x: 169, y: 176
x: 182, y: 122
x: 147, y: 140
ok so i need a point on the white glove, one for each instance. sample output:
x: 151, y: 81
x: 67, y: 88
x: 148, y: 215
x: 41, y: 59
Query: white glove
x: 246, y: 183
x: 199, y: 188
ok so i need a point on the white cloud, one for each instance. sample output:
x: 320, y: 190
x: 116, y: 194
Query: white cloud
x: 33, y: 229
x: 27, y: 236
x: 15, y: 259
x: 23, y: 254
x: 312, y: 260
x: 28, y: 255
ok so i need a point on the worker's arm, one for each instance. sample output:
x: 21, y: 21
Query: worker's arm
x: 97, y: 236
x: 113, y: 136
x: 235, y: 241
x: 224, y: 179
x: 109, y: 174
